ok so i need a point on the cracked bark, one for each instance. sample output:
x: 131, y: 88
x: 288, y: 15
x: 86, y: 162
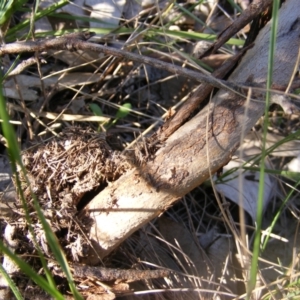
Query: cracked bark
x: 197, y: 149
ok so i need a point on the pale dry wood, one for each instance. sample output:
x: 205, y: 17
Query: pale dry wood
x: 197, y: 149
x: 63, y: 117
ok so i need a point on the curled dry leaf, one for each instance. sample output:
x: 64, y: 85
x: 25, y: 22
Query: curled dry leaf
x: 242, y: 186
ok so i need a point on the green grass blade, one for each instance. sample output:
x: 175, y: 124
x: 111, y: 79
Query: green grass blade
x: 11, y: 284
x: 58, y: 253
x: 5, y: 11
x: 39, y: 280
x: 256, y: 247
x: 194, y: 35
x: 278, y: 214
x: 235, y: 6
x: 82, y: 18
x: 15, y: 159
x: 8, y: 131
x: 13, y: 150
x: 24, y: 204
x: 11, y: 33
x: 189, y: 13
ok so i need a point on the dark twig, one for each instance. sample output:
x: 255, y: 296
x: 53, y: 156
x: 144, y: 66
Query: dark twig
x: 60, y: 43
x: 189, y: 107
x: 78, y: 41
x: 254, y: 9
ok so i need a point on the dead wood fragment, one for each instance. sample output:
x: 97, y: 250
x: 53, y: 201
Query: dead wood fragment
x: 108, y: 274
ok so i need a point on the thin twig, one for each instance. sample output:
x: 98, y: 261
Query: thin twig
x: 78, y: 41
x: 254, y: 9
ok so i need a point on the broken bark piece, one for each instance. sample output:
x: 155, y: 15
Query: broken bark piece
x: 108, y: 274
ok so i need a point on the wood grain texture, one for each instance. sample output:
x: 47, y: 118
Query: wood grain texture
x: 198, y: 148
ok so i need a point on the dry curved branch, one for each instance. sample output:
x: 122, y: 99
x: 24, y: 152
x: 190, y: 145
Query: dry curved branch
x: 198, y: 148
x: 78, y: 41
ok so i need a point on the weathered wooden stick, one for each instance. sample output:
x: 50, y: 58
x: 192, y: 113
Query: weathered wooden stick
x: 198, y: 148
